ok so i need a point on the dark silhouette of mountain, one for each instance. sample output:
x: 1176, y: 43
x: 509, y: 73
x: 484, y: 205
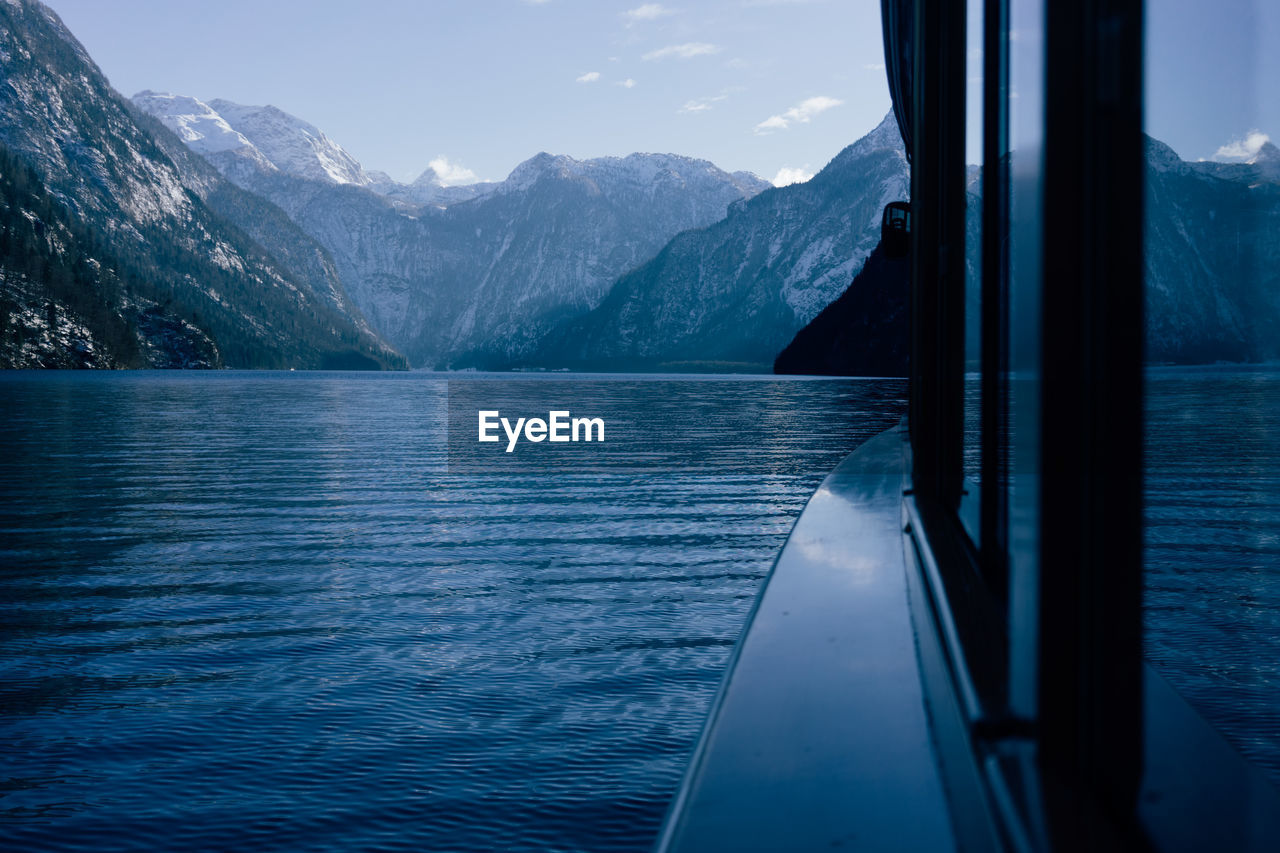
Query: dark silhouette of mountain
x: 865, y: 332
x: 147, y: 241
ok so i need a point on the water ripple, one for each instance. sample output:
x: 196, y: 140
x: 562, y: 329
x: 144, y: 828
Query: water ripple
x: 255, y: 610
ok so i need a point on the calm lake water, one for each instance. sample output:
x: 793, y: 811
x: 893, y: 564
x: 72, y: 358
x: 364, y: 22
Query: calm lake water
x: 257, y: 609
x: 1212, y: 536
x: 264, y: 609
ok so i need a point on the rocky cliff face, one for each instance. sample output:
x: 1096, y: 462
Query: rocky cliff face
x: 739, y: 290
x: 148, y: 215
x: 1213, y: 258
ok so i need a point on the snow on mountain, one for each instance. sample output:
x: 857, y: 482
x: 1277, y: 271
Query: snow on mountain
x: 250, y: 144
x: 442, y: 278
x: 190, y: 248
x: 293, y: 145
x: 194, y: 121
x: 206, y: 132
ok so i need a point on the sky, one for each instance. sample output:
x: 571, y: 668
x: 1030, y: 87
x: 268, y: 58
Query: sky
x: 1212, y: 72
x: 479, y: 86
x: 474, y: 87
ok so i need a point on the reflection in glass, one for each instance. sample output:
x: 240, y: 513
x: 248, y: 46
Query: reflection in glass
x: 1026, y: 123
x: 1212, y: 459
x: 973, y: 270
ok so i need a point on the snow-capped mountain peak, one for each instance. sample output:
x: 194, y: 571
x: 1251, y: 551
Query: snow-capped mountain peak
x: 268, y: 138
x: 194, y: 121
x: 291, y: 144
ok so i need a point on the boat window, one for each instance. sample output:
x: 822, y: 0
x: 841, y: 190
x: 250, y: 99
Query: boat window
x: 1212, y: 452
x: 973, y: 109
x: 1025, y: 192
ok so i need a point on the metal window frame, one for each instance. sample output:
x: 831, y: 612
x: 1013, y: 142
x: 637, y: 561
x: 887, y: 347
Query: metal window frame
x: 1070, y: 774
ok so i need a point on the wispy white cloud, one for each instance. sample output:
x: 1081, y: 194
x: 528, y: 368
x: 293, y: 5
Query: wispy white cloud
x: 452, y: 174
x: 792, y: 175
x: 1242, y: 150
x: 874, y: 66
x: 647, y: 12
x: 589, y: 77
x: 801, y: 113
x: 536, y: 2
x: 683, y: 51
x: 627, y: 84
x: 699, y: 105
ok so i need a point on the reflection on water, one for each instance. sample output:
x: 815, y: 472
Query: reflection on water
x: 255, y: 609
x: 1213, y: 548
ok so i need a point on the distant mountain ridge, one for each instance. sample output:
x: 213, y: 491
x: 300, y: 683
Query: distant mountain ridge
x: 178, y: 237
x: 453, y: 275
x: 738, y: 290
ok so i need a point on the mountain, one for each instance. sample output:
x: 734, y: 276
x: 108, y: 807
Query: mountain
x: 295, y: 147
x: 65, y: 301
x: 865, y: 332
x: 247, y: 143
x: 426, y: 189
x: 148, y: 232
x: 453, y: 280
x: 1212, y: 258
x: 1264, y: 165
x: 739, y: 290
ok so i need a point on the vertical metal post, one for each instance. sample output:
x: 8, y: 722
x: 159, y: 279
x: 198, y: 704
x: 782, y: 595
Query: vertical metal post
x: 1090, y: 699
x: 937, y: 195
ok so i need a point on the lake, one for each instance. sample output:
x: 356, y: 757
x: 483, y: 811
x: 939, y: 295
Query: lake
x: 283, y: 610
x: 247, y: 608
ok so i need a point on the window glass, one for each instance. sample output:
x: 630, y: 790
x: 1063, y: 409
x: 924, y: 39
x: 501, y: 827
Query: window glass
x: 973, y: 271
x: 1025, y: 157
x: 1212, y: 454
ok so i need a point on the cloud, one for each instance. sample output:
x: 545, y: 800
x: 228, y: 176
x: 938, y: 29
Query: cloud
x: 589, y: 77
x: 874, y: 66
x: 627, y: 84
x: 801, y: 113
x: 536, y: 2
x: 1242, y: 150
x: 647, y: 12
x: 699, y: 105
x: 682, y: 51
x: 452, y: 174
x: 792, y: 175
